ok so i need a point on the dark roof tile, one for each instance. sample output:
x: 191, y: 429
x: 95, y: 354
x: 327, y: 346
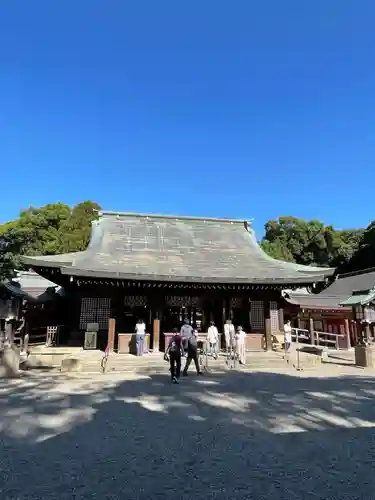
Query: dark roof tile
x: 340, y: 290
x: 178, y: 248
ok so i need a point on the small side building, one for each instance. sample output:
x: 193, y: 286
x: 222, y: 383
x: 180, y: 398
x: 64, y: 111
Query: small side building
x: 331, y: 308
x: 31, y: 297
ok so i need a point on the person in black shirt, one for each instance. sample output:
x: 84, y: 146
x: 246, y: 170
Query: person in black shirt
x: 174, y: 353
x: 192, y: 353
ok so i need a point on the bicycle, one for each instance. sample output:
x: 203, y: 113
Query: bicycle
x: 232, y: 358
x: 202, y: 359
x: 104, y: 361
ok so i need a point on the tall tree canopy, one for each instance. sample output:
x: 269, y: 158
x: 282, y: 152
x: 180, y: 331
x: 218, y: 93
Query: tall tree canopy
x: 52, y: 229
x: 364, y: 257
x: 310, y: 242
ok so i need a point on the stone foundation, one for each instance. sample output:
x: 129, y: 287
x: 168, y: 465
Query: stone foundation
x: 365, y: 356
x: 9, y: 362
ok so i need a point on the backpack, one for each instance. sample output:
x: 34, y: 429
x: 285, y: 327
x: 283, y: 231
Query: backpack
x: 175, y: 346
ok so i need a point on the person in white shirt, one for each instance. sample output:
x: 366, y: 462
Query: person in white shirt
x: 241, y: 347
x: 186, y: 332
x: 287, y: 336
x: 212, y: 339
x: 140, y: 334
x: 229, y: 333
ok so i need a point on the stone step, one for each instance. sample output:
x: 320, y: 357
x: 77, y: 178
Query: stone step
x: 156, y: 363
x: 91, y: 362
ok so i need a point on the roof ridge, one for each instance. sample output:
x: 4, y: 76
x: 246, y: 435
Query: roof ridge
x: 109, y: 213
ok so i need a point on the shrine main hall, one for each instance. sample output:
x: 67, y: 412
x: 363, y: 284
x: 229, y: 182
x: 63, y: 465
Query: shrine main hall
x: 164, y: 269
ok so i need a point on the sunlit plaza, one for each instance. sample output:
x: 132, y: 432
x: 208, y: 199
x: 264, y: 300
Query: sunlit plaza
x: 255, y: 434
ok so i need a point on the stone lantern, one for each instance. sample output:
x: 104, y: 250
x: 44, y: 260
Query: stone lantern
x: 363, y: 304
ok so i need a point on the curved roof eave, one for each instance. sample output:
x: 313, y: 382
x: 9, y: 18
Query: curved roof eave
x: 105, y: 274
x: 326, y: 271
x: 65, y: 259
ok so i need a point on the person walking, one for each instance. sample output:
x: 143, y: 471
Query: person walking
x: 186, y: 332
x: 212, y: 339
x: 140, y: 334
x: 173, y: 354
x: 229, y: 333
x: 192, y: 354
x: 287, y: 339
x: 241, y: 347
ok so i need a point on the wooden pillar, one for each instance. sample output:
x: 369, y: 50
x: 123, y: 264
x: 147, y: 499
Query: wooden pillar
x: 268, y: 334
x: 111, y: 334
x: 311, y: 329
x: 156, y: 336
x: 347, y: 334
x: 224, y: 315
x: 354, y: 331
x: 268, y: 327
x: 367, y: 332
x: 281, y: 319
x: 299, y: 322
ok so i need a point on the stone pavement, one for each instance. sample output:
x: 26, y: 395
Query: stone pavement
x: 235, y: 435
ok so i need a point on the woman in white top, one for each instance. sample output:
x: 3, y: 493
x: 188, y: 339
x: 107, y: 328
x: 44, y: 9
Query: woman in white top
x: 140, y: 334
x: 212, y: 339
x: 287, y: 336
x: 241, y: 347
x: 229, y: 333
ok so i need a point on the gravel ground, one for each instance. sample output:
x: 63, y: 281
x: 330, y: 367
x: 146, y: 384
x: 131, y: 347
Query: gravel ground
x: 224, y: 436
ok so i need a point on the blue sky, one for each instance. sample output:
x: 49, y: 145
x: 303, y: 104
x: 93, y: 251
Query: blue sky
x: 237, y: 109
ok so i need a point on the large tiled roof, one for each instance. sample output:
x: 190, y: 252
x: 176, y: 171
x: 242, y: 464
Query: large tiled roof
x: 166, y: 248
x: 340, y: 290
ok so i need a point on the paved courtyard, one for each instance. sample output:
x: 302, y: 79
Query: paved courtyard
x: 281, y: 435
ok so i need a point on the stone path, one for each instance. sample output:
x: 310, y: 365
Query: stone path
x: 280, y: 435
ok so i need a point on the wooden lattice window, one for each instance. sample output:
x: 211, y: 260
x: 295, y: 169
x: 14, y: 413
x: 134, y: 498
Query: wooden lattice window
x: 274, y: 316
x: 135, y: 301
x: 257, y: 314
x: 182, y: 301
x: 95, y: 310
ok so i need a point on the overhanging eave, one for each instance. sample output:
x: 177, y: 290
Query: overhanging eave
x: 284, y: 281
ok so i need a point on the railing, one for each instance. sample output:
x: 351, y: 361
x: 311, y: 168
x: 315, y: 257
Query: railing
x: 316, y: 338
x: 327, y: 339
x: 48, y: 336
x: 299, y: 334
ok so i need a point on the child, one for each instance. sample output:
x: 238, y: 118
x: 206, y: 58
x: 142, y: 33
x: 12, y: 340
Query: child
x: 174, y: 352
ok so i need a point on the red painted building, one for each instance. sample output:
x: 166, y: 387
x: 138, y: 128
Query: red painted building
x: 325, y: 308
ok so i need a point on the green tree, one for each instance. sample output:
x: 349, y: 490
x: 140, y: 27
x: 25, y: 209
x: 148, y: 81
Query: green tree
x: 364, y: 256
x: 309, y: 242
x: 7, y: 258
x: 75, y: 231
x: 48, y: 230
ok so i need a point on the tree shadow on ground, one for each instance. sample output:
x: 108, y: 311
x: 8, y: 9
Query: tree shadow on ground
x: 228, y: 436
